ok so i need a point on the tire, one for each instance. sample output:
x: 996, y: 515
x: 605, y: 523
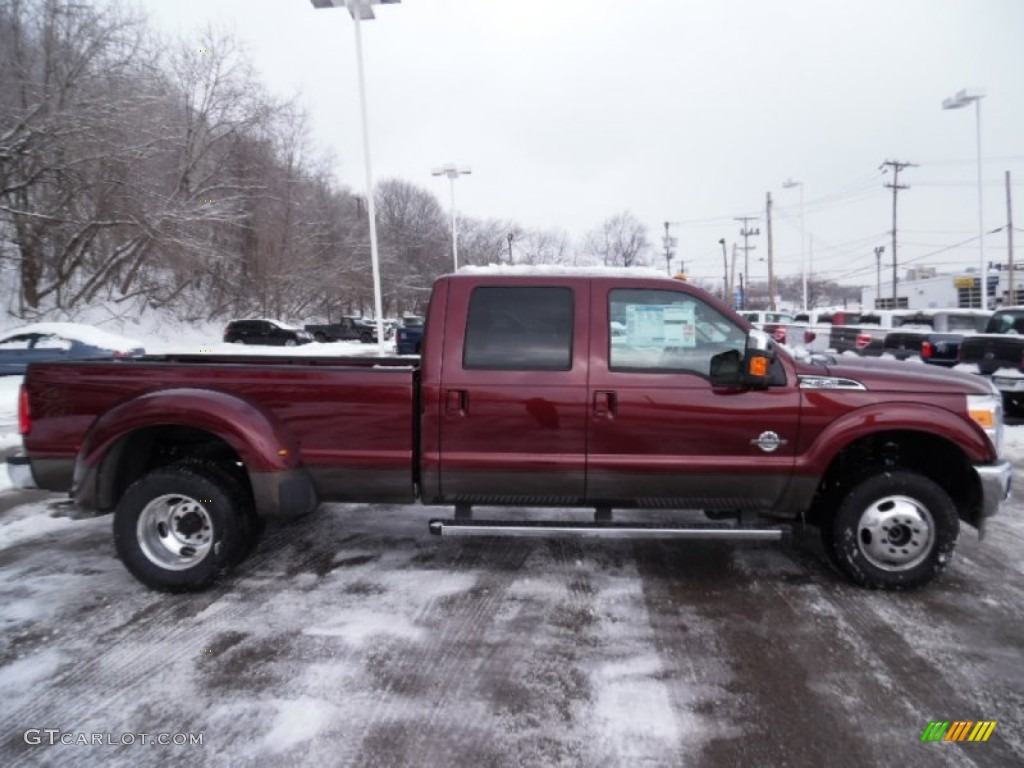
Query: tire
x: 210, y: 532
x: 290, y: 342
x: 236, y: 484
x: 320, y: 336
x: 892, y: 530
x: 365, y: 337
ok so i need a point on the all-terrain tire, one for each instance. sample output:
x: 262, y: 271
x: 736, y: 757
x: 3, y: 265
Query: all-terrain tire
x: 893, y: 530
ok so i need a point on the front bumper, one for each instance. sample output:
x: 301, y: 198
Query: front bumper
x: 996, y: 480
x: 19, y: 469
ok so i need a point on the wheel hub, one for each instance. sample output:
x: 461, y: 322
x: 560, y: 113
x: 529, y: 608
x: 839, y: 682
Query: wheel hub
x: 896, y: 533
x: 175, y: 532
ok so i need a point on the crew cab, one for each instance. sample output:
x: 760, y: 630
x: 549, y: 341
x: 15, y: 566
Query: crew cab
x: 524, y: 396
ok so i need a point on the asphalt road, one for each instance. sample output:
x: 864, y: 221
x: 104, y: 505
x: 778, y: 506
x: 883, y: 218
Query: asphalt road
x: 352, y: 637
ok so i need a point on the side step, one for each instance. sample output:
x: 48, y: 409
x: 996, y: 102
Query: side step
x: 609, y: 530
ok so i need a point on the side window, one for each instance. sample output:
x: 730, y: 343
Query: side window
x: 519, y: 328
x: 668, y: 331
x: 24, y: 341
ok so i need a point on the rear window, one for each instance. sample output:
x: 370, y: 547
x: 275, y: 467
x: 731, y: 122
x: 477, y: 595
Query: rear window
x: 519, y: 328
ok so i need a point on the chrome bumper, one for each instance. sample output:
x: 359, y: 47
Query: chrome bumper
x: 19, y: 469
x: 995, y: 485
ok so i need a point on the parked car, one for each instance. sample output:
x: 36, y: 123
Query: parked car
x: 999, y: 353
x: 409, y: 336
x: 346, y: 329
x: 865, y: 332
x: 934, y: 335
x: 47, y: 342
x: 812, y: 329
x: 772, y: 323
x: 272, y: 333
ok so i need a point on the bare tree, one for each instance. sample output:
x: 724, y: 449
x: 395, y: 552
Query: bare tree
x: 621, y: 241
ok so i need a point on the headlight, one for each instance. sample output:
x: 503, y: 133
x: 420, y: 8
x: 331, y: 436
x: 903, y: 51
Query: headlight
x: 987, y: 412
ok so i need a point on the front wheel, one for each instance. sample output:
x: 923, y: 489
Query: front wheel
x: 178, y: 528
x: 365, y: 337
x: 893, y: 530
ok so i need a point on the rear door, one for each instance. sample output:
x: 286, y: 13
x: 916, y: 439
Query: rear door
x: 513, y: 395
x: 660, y: 434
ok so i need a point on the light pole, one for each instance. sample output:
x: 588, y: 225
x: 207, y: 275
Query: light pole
x: 962, y: 99
x: 725, y: 278
x: 453, y: 172
x: 361, y: 10
x: 879, y: 250
x: 789, y: 184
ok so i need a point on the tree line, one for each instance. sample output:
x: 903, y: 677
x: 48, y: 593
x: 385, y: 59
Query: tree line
x: 145, y: 174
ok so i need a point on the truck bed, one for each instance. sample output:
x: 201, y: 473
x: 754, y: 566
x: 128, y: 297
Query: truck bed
x: 348, y: 421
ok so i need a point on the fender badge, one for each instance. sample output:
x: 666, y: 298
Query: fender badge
x: 768, y: 442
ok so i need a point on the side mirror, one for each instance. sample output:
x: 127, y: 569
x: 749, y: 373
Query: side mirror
x: 727, y: 369
x: 752, y: 369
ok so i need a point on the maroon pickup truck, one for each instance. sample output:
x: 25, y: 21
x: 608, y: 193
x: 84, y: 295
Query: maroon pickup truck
x: 596, y: 391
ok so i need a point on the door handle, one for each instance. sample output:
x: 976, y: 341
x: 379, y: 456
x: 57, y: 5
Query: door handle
x: 456, y: 402
x: 605, y: 404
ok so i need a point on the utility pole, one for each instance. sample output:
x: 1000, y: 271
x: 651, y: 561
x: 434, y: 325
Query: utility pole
x: 771, y: 270
x: 746, y: 232
x: 1009, y: 239
x: 897, y: 166
x: 879, y: 250
x: 670, y: 244
x: 732, y: 278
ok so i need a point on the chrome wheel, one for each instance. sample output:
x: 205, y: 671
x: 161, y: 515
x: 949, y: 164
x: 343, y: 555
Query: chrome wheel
x: 175, y: 532
x: 896, y: 533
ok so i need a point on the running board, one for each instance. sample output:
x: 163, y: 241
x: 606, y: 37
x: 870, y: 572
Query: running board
x: 609, y: 530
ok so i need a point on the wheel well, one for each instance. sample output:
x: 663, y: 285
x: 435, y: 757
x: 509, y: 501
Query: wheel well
x: 147, y: 449
x: 938, y: 459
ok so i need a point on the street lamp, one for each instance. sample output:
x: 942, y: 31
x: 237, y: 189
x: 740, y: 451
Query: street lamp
x: 725, y: 266
x: 453, y: 172
x: 789, y: 184
x: 957, y: 101
x: 362, y: 10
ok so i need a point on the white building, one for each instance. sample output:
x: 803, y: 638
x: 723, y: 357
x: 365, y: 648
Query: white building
x: 950, y: 290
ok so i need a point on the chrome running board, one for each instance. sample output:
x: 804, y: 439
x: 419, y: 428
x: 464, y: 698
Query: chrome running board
x: 608, y: 530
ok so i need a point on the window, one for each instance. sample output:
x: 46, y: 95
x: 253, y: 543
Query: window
x: 519, y: 329
x: 668, y: 331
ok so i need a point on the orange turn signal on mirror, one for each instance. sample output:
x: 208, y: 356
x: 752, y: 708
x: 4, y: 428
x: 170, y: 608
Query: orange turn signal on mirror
x: 758, y: 366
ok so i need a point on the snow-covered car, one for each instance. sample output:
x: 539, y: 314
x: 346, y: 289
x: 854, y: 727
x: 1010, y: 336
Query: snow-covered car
x: 47, y: 342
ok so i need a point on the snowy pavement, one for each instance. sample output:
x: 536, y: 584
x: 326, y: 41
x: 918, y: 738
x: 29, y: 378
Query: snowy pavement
x: 353, y: 637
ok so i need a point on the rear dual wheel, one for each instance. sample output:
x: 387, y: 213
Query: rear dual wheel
x: 178, y: 528
x: 893, y: 530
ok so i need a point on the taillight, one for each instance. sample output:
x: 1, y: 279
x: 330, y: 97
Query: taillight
x: 779, y: 334
x: 24, y: 417
x: 863, y: 339
x: 927, y: 350
x: 809, y: 336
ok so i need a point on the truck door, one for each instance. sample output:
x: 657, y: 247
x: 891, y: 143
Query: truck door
x: 512, y: 397
x: 660, y: 434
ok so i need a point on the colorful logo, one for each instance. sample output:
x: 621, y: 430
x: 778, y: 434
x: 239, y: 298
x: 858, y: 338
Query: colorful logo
x: 958, y: 730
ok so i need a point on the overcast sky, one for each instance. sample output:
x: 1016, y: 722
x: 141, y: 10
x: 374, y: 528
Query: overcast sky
x: 687, y: 111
